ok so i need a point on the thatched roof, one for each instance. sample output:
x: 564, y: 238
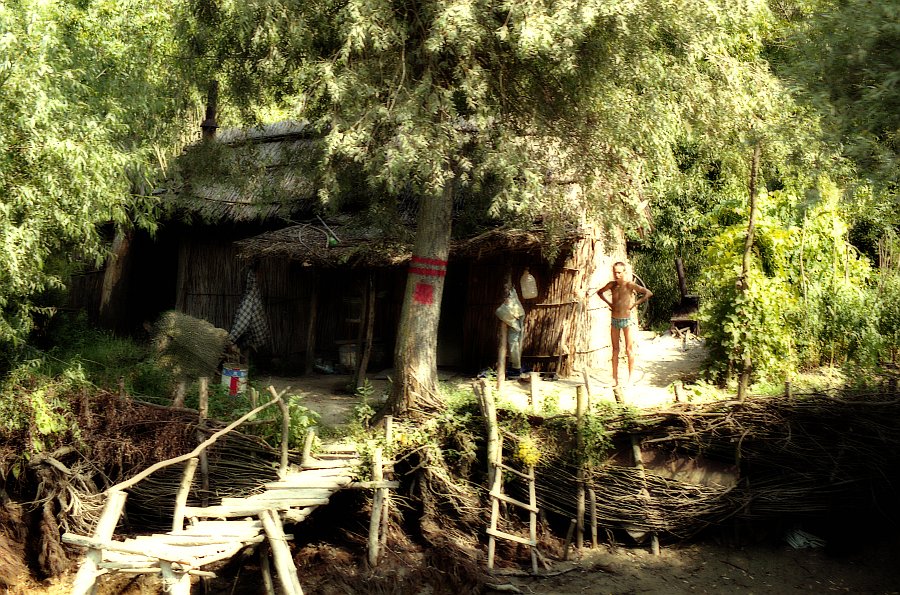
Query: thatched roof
x: 253, y: 174
x: 331, y: 244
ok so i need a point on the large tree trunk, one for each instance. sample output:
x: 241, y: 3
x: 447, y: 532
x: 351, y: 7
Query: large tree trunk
x: 746, y: 364
x: 415, y: 354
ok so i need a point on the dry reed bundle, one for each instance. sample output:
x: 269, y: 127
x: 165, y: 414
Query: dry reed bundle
x: 188, y: 346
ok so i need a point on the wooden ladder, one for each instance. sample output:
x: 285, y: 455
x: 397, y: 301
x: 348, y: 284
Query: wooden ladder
x: 496, y: 467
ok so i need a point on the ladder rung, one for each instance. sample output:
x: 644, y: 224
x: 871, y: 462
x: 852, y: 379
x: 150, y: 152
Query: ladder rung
x: 510, y: 537
x: 528, y: 476
x: 513, y: 501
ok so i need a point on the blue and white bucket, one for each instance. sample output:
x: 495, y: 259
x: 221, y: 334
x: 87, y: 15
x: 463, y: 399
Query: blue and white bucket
x: 235, y: 378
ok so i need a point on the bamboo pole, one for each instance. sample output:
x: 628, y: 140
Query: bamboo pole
x: 203, y: 409
x: 284, y: 563
x: 182, y: 495
x: 377, y: 503
x: 106, y: 526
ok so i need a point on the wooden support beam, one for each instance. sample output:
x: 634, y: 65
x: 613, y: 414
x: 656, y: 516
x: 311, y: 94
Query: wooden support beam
x: 284, y: 563
x: 106, y: 526
x: 377, y: 503
x: 181, y: 496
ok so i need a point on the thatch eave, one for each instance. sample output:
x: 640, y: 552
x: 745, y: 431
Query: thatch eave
x: 336, y: 245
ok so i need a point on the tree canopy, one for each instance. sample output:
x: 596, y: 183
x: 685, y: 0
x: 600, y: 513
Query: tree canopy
x: 87, y: 112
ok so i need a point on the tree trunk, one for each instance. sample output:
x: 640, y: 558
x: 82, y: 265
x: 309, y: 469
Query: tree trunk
x: 746, y: 364
x: 112, y: 299
x: 415, y: 354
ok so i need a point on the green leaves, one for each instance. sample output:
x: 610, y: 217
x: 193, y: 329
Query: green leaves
x: 86, y: 95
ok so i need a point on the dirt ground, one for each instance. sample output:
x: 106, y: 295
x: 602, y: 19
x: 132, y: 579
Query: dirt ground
x: 661, y: 360
x: 714, y: 568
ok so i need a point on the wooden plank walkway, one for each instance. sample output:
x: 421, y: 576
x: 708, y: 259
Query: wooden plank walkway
x: 203, y: 535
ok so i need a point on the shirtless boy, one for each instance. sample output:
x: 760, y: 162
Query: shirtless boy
x: 622, y: 303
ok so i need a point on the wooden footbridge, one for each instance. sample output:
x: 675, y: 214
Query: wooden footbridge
x: 203, y: 535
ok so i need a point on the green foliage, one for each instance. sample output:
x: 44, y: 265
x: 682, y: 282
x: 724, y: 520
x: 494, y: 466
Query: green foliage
x: 889, y: 306
x: 86, y: 113
x: 37, y: 404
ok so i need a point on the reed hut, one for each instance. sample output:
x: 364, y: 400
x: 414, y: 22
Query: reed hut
x: 330, y: 285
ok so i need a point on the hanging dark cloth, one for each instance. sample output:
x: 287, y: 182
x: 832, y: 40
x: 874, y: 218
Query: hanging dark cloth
x: 250, y: 319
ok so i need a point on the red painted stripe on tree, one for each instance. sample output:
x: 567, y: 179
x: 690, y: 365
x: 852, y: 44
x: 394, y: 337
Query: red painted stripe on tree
x: 427, y: 272
x: 431, y: 261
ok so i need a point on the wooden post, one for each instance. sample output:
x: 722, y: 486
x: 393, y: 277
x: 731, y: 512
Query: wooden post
x: 203, y: 408
x: 311, y: 328
x: 182, y: 495
x: 284, y: 563
x: 535, y: 392
x: 265, y: 568
x: 307, y: 447
x: 285, y: 429
x: 174, y: 582
x: 504, y: 338
x: 367, y: 332
x: 580, y: 411
x: 532, y: 519
x: 639, y: 465
x: 180, y: 390
x: 788, y: 392
x: 592, y: 500
x: 496, y: 485
x: 386, y: 509
x: 377, y: 503
x: 489, y: 409
x: 254, y: 399
x: 569, y: 533
x: 501, y: 356
x: 106, y: 526
x: 679, y: 397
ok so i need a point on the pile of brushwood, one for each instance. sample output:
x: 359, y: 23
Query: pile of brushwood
x: 823, y: 462
x: 793, y: 462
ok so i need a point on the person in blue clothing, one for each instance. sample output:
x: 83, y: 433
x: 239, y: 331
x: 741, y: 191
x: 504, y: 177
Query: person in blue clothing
x: 622, y: 303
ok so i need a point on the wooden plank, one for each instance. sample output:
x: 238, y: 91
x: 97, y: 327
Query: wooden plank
x: 527, y: 476
x: 250, y: 508
x: 311, y: 482
x: 189, y: 540
x: 167, y: 553
x: 513, y: 501
x: 223, y: 527
x: 319, y: 472
x: 332, y: 464
x: 296, y: 492
x: 509, y: 537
